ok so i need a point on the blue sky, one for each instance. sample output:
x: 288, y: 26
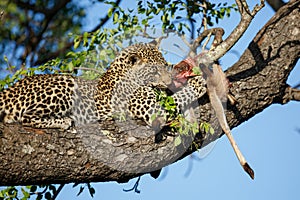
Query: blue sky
x: 270, y: 142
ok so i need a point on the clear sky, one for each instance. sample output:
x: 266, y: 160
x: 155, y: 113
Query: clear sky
x: 270, y: 141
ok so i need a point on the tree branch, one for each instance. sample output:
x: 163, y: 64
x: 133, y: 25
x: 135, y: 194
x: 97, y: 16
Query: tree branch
x: 246, y: 18
x: 119, y: 151
x: 68, y: 45
x: 291, y: 94
x: 49, y: 15
x: 52, y: 55
x: 59, y: 189
x: 217, y: 32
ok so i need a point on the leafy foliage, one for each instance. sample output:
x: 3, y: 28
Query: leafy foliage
x: 177, y: 122
x: 33, y: 30
x: 174, y: 14
x: 48, y: 192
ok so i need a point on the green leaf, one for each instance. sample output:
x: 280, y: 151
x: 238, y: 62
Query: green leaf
x: 145, y: 21
x: 109, y: 13
x: 76, y: 43
x: 25, y: 193
x: 85, y: 39
x: 135, y: 20
x: 116, y: 17
x: 70, y: 67
x: 153, y: 117
x: 141, y: 10
x: 177, y: 141
x: 48, y: 196
x: 5, y: 59
x: 197, y: 71
x: 211, y: 130
x: 39, y: 197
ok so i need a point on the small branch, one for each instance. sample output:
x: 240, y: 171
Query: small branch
x: 246, y: 18
x: 156, y: 41
x: 206, y: 42
x: 184, y: 40
x: 106, y: 18
x: 204, y: 15
x: 192, y: 27
x: 291, y: 94
x: 58, y: 191
x: 40, y: 193
x: 135, y: 187
x: 55, y: 54
x: 182, y: 37
x: 204, y: 12
x: 217, y: 32
x: 243, y: 6
x: 29, y: 6
x: 257, y: 8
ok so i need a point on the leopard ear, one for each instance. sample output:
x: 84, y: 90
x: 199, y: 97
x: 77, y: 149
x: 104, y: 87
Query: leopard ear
x: 134, y: 59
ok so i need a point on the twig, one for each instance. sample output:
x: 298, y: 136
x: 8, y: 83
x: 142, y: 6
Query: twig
x: 106, y: 18
x: 246, y: 18
x: 217, y: 32
x: 39, y: 193
x: 183, y: 38
x: 204, y: 20
x: 291, y: 94
x: 206, y: 42
x: 58, y: 191
x: 135, y: 187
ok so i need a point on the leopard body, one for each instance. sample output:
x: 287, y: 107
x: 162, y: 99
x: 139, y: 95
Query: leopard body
x: 129, y: 85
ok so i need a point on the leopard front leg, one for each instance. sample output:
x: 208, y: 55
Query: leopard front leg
x: 143, y: 105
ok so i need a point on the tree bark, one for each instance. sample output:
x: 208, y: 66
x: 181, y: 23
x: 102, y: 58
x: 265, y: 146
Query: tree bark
x: 119, y: 151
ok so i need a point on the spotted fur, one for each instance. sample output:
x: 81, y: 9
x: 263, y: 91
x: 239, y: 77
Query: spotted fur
x: 128, y: 86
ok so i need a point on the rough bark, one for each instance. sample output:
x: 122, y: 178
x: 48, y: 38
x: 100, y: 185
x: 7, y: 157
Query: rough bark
x: 31, y: 156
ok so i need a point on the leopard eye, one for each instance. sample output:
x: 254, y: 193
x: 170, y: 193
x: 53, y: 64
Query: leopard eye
x: 133, y: 59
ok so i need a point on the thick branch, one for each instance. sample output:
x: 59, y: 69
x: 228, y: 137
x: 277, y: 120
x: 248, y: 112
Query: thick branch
x: 119, y: 151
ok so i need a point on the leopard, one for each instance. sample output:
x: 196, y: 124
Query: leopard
x: 59, y: 101
x: 129, y: 85
x: 137, y: 66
